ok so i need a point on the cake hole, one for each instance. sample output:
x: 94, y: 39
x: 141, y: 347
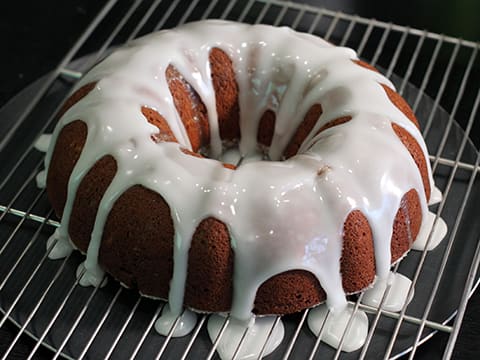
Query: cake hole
x: 232, y: 155
x: 194, y: 117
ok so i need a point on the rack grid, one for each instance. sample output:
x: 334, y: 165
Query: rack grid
x: 437, y: 74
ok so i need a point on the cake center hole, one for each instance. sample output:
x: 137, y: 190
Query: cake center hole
x: 233, y: 156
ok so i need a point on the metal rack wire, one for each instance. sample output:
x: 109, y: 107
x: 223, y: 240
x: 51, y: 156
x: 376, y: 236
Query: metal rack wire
x: 436, y: 73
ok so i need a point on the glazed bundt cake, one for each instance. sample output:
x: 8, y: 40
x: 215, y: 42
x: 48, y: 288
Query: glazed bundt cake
x: 236, y: 168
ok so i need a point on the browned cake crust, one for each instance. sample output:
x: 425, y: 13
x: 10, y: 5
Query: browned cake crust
x: 76, y: 97
x: 210, y: 241
x: 190, y: 108
x: 415, y: 150
x: 137, y: 243
x: 266, y: 127
x: 165, y: 133
x: 303, y: 130
x: 226, y: 95
x: 85, y: 206
x: 68, y: 148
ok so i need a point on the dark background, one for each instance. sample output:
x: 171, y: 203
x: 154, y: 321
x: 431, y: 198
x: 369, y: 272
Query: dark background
x: 35, y: 35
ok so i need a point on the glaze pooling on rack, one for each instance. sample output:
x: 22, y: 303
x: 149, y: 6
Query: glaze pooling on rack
x: 302, y: 210
x: 348, y: 325
x: 436, y: 196
x: 43, y: 142
x: 265, y: 331
x: 433, y: 231
x: 168, y: 322
x: 398, y: 288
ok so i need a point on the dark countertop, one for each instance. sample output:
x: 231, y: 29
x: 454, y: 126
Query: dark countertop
x: 35, y: 37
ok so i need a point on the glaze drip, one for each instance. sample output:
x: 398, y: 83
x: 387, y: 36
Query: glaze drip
x: 302, y: 209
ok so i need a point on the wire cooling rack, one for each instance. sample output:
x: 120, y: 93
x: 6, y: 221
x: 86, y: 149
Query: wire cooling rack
x: 437, y: 74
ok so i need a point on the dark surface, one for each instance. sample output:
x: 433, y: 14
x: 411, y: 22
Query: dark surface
x: 36, y: 36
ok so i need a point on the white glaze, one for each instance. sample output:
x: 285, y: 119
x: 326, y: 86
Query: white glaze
x: 43, y: 142
x: 41, y: 179
x: 258, y: 331
x: 281, y: 215
x: 86, y: 278
x: 436, y: 196
x: 231, y: 156
x: 186, y: 323
x: 433, y: 229
x: 397, y: 294
x: 61, y: 246
x: 334, y: 326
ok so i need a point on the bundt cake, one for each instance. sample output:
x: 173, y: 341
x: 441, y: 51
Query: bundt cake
x: 325, y: 184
